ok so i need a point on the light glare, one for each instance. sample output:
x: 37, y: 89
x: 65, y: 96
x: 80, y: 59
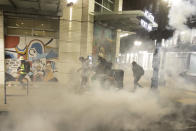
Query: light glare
x: 71, y: 1
x: 137, y: 43
x: 124, y: 35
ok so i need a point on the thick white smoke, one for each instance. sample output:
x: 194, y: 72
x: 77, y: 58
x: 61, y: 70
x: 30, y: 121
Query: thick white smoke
x: 179, y: 13
x: 59, y: 109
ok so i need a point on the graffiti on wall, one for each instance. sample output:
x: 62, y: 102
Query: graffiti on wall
x: 104, y: 42
x: 41, y: 53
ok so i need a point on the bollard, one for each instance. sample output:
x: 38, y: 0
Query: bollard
x: 27, y: 86
x: 5, y: 93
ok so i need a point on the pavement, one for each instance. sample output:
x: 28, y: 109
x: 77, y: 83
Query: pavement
x: 15, y: 92
x: 182, y: 96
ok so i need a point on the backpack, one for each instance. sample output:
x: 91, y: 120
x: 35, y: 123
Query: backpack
x: 142, y: 70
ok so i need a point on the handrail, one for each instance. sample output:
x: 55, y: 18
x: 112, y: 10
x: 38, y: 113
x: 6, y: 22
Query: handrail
x: 5, y: 89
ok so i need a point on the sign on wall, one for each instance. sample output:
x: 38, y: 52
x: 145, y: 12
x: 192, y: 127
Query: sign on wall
x: 148, y: 25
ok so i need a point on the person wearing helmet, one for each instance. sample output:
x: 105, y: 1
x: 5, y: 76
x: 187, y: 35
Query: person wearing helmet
x: 23, y: 70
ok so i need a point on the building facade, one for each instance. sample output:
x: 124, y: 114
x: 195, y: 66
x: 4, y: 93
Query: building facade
x: 53, y: 34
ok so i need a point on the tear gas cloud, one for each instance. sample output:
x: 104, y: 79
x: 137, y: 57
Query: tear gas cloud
x: 179, y: 13
x: 98, y: 109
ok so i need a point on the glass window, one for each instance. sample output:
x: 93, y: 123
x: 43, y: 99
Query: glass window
x: 108, y: 5
x: 105, y: 10
x: 97, y: 8
x: 44, y: 33
x: 46, y: 25
x: 19, y: 31
x: 99, y: 1
x: 32, y: 27
x: 104, y: 5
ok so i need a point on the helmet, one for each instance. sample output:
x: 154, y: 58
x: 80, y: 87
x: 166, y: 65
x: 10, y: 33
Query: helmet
x: 21, y: 58
x: 101, y: 55
x: 134, y: 63
x: 81, y: 58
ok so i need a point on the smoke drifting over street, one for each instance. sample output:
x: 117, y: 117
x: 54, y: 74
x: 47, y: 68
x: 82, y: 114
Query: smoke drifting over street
x: 98, y: 109
x: 104, y: 109
x: 180, y: 11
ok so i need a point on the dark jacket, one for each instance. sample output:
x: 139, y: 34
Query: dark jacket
x: 138, y: 71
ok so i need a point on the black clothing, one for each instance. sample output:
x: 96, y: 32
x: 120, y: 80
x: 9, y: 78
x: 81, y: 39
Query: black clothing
x: 9, y: 77
x: 24, y: 70
x: 21, y: 77
x: 138, y: 72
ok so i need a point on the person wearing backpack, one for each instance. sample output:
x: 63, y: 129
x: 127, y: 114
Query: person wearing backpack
x: 24, y: 69
x: 138, y: 72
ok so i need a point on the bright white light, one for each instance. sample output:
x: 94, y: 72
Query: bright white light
x: 71, y: 1
x: 146, y: 25
x: 71, y: 12
x: 149, y: 15
x: 171, y: 2
x: 182, y: 33
x: 137, y: 43
x: 143, y: 52
x: 124, y: 35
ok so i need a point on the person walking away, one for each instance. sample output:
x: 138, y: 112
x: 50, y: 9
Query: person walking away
x: 24, y: 69
x: 100, y: 69
x: 138, y: 72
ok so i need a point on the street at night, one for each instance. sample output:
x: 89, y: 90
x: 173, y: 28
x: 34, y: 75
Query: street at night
x: 97, y: 65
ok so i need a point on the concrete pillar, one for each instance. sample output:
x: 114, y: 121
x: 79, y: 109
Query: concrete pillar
x: 118, y: 4
x: 117, y: 42
x: 76, y: 38
x: 2, y: 69
x: 118, y: 32
x: 87, y: 28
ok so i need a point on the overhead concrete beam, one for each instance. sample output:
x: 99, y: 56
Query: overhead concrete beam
x: 12, y: 3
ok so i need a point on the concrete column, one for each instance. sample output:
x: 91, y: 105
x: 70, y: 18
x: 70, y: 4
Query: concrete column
x: 117, y: 42
x: 2, y: 69
x: 76, y: 37
x: 87, y: 28
x: 118, y: 5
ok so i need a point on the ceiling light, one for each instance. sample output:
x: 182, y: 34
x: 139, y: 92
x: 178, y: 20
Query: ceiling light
x: 124, y: 35
x: 71, y: 2
x: 137, y: 43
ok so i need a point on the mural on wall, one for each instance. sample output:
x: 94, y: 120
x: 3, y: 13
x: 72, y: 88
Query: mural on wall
x: 41, y: 53
x: 104, y: 43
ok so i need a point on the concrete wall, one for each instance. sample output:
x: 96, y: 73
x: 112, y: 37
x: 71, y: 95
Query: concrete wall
x: 118, y: 5
x: 76, y: 37
x: 2, y: 69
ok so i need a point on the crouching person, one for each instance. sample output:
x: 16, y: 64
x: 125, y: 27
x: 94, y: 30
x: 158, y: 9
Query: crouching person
x: 138, y: 72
